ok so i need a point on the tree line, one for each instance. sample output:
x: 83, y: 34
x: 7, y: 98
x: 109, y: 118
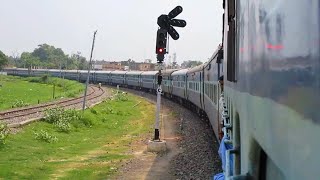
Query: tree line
x: 49, y: 57
x: 44, y: 57
x: 190, y: 64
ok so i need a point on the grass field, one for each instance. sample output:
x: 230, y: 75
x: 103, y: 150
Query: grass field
x: 23, y: 91
x: 92, y: 149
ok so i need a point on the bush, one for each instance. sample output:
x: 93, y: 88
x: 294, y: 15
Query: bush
x: 62, y: 118
x: 53, y: 115
x: 45, y: 78
x: 104, y: 119
x: 71, y: 94
x: 45, y: 136
x: 19, y: 103
x: 93, y: 111
x: 120, y: 96
x: 4, y: 131
x: 63, y: 126
x: 110, y: 110
x: 87, y: 120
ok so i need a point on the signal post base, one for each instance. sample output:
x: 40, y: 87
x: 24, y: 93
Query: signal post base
x: 157, y: 146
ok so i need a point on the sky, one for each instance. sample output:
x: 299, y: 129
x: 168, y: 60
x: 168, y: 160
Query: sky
x: 126, y: 28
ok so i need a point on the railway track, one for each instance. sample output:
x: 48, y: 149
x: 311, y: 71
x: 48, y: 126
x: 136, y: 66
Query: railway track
x: 21, y: 113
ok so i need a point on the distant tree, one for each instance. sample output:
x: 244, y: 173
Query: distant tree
x: 3, y: 60
x: 72, y: 62
x: 76, y: 61
x: 42, y: 52
x: 132, y: 64
x: 190, y: 64
x: 125, y: 63
x: 47, y: 56
x: 51, y: 57
x: 14, y: 60
x: 29, y: 61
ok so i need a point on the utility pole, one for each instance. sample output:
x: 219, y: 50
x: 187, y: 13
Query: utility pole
x: 87, y: 82
x: 78, y: 65
x: 60, y: 69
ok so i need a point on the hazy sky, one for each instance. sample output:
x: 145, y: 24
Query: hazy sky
x: 126, y: 28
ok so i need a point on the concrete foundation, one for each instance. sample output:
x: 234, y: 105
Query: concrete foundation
x: 157, y: 146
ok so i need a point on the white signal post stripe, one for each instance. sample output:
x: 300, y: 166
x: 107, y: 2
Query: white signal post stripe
x: 159, y: 90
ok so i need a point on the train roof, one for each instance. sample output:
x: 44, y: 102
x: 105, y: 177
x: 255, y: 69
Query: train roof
x: 197, y: 68
x: 83, y: 71
x: 40, y: 70
x: 180, y: 72
x: 215, y: 55
x: 13, y: 68
x: 134, y: 72
x: 54, y: 70
x: 103, y: 72
x: 71, y: 71
x: 21, y: 69
x: 149, y: 73
x: 168, y: 71
x: 118, y: 72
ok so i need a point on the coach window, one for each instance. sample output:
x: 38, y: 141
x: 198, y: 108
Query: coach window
x: 211, y: 92
x: 215, y: 94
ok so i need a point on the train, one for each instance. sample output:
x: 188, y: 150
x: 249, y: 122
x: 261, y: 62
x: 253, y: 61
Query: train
x: 270, y: 60
x: 193, y: 87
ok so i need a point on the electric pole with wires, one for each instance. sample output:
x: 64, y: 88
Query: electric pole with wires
x: 88, y: 76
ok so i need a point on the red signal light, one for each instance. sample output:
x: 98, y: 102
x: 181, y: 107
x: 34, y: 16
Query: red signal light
x: 160, y: 50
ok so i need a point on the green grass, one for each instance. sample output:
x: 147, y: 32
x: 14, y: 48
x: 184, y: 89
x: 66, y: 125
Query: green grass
x: 31, y: 89
x: 92, y: 150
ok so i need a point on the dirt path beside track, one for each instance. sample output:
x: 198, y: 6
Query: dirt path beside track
x: 192, y: 149
x: 147, y: 165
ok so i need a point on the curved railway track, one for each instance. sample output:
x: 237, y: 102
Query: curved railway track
x: 7, y: 116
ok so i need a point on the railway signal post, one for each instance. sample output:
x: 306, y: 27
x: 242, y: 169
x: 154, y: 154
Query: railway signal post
x: 166, y: 23
x: 159, y: 92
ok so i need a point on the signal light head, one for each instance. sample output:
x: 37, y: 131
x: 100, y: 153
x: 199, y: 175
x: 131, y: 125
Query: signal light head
x: 161, y: 35
x: 161, y: 41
